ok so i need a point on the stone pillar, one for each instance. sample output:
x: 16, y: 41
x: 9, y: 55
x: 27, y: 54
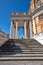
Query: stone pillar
x: 11, y: 30
x: 16, y: 30
x: 25, y: 34
x: 30, y: 26
x: 34, y: 26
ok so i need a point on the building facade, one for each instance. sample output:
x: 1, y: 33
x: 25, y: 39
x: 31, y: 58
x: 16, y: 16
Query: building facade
x: 37, y: 8
x: 32, y: 23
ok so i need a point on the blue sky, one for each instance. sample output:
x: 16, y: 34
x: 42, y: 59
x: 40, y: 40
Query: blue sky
x: 9, y: 6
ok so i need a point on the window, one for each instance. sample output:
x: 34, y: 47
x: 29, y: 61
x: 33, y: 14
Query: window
x: 41, y: 17
x: 39, y: 2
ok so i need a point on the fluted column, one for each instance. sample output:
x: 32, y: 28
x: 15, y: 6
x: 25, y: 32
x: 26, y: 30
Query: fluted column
x: 16, y: 30
x: 34, y: 26
x: 30, y: 26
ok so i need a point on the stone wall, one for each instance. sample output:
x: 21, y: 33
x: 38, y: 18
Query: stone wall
x: 39, y: 24
x: 3, y: 35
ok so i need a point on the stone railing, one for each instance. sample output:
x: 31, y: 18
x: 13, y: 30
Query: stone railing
x: 39, y: 35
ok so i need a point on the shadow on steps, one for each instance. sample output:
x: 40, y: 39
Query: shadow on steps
x: 10, y: 46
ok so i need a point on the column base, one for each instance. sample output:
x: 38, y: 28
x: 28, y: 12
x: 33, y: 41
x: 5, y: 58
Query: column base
x: 25, y: 38
x: 16, y: 38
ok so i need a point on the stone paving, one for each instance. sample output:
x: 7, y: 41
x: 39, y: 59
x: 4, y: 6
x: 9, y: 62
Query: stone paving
x: 21, y: 63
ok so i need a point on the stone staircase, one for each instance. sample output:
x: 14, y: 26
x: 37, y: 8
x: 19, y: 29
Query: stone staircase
x: 21, y: 49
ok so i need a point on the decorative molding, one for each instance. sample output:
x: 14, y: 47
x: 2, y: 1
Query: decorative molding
x: 20, y: 18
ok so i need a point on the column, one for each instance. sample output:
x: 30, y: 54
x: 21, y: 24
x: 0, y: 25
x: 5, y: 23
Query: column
x: 25, y: 34
x: 34, y: 26
x: 30, y: 26
x: 11, y: 30
x: 16, y: 30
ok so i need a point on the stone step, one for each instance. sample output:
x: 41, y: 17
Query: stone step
x: 22, y: 55
x: 20, y: 46
x: 19, y: 58
x: 23, y: 50
x: 24, y: 44
x: 27, y: 42
x: 34, y: 52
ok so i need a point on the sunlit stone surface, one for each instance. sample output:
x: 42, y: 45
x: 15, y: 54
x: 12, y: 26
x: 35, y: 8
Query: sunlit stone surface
x: 21, y: 63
